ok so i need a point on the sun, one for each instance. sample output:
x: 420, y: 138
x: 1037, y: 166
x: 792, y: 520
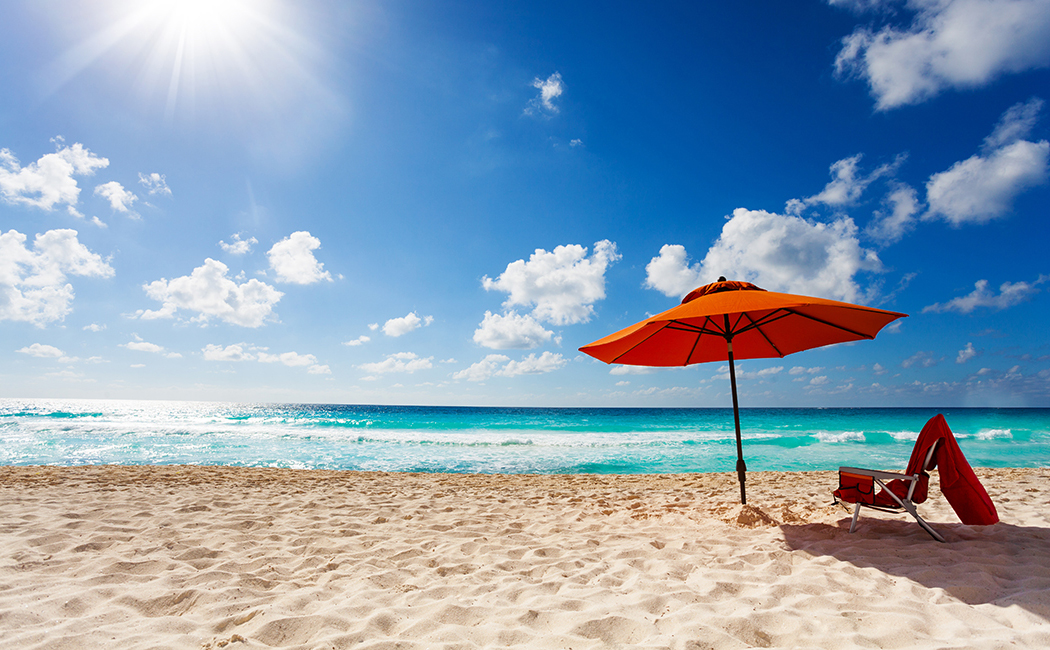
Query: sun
x: 188, y: 55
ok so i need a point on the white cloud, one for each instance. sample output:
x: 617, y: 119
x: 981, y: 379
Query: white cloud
x: 800, y: 370
x: 155, y: 183
x: 861, y: 6
x: 119, y: 198
x: 396, y: 327
x: 238, y: 246
x: 966, y: 354
x: 1010, y: 294
x: 776, y: 252
x: 400, y: 362
x: 483, y: 369
x: 983, y: 187
x: 33, y: 286
x: 499, y: 365
x: 533, y: 365
x: 510, y: 331
x: 848, y: 183
x: 48, y: 181
x: 619, y: 370
x: 361, y: 340
x: 550, y: 90
x: 922, y: 359
x: 93, y: 327
x: 819, y: 381
x: 245, y: 352
x: 1015, y: 124
x: 211, y: 293
x: 43, y: 351
x: 670, y: 272
x: 904, y: 206
x: 949, y: 44
x: 293, y: 260
x: 153, y: 348
x: 235, y: 352
x: 562, y: 284
x: 292, y: 359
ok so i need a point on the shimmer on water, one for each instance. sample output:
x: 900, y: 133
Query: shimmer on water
x: 498, y: 440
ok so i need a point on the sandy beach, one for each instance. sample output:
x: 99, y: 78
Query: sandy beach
x: 208, y: 557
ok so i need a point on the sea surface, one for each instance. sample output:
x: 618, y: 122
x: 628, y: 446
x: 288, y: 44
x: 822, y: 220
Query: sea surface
x: 500, y: 440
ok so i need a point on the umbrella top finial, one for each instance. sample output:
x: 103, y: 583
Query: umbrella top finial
x: 719, y: 287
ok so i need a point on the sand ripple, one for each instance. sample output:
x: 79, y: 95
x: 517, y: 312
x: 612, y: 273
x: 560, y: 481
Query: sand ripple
x: 190, y: 557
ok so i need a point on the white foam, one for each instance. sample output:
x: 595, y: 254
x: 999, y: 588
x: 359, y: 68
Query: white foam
x: 840, y: 436
x: 992, y: 434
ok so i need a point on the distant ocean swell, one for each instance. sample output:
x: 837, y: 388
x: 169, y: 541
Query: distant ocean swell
x: 506, y: 440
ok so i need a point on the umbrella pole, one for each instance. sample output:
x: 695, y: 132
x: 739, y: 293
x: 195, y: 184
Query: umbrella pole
x: 741, y: 467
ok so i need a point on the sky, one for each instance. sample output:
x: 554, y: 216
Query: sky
x: 438, y: 203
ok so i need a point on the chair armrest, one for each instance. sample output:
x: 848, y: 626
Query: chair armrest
x: 874, y: 473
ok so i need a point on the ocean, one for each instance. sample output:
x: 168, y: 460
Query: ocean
x: 500, y: 440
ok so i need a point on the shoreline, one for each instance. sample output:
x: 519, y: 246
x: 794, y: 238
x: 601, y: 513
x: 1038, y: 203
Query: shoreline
x: 186, y: 556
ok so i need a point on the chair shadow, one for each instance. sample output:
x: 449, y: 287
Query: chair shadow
x: 1001, y: 565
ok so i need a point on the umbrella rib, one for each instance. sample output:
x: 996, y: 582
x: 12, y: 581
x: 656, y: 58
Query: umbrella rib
x: 757, y: 326
x: 654, y: 333
x: 830, y: 324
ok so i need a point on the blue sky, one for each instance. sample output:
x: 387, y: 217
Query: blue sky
x: 439, y: 202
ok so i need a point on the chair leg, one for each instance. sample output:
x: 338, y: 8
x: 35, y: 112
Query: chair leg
x: 856, y: 514
x: 925, y: 526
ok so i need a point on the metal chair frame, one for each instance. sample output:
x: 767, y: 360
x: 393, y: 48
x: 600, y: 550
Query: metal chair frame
x: 905, y: 504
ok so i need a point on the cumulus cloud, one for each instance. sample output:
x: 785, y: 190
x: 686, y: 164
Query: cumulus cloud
x: 33, y: 286
x: 949, y: 44
x: 847, y: 183
x: 292, y: 259
x: 920, y: 359
x: 396, y: 327
x: 984, y: 186
x: 776, y: 252
x: 671, y: 274
x: 1010, y: 294
x: 43, y: 351
x: 119, y: 198
x: 210, y: 292
x: 888, y: 226
x: 399, y: 362
x: 238, y: 246
x: 292, y: 359
x: 966, y: 354
x: 802, y: 370
x: 235, y: 352
x: 498, y: 365
x: 562, y: 285
x: 154, y: 183
x: 550, y: 89
x: 245, y: 352
x: 153, y: 348
x: 361, y: 340
x: 49, y: 181
x: 511, y: 331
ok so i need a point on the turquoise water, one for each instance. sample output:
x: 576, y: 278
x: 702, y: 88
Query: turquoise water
x: 505, y: 440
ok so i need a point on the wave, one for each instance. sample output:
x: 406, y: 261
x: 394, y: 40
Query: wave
x: 840, y: 436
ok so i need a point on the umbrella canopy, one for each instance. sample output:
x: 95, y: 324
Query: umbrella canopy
x: 727, y: 320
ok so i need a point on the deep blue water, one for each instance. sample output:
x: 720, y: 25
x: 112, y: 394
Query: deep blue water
x: 506, y: 440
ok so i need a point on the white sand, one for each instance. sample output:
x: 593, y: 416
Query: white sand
x: 188, y: 557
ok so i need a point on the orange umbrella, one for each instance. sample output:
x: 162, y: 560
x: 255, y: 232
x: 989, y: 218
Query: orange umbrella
x: 726, y: 320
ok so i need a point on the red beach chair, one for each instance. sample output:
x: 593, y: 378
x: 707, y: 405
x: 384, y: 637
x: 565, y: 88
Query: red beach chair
x: 935, y: 447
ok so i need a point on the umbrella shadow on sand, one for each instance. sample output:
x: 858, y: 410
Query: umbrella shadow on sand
x: 1003, y: 565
